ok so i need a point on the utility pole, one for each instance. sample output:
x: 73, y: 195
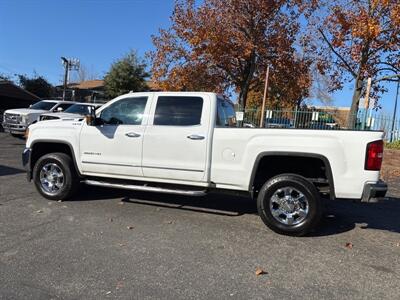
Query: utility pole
x: 366, y: 102
x: 395, y: 111
x: 264, y: 98
x: 66, y: 68
x: 69, y: 64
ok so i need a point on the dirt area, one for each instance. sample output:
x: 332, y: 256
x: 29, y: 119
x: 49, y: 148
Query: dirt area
x: 391, y: 171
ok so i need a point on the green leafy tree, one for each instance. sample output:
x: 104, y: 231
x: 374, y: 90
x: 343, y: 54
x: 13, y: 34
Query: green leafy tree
x: 127, y: 74
x: 37, y: 85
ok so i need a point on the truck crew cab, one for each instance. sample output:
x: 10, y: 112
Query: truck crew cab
x: 188, y: 143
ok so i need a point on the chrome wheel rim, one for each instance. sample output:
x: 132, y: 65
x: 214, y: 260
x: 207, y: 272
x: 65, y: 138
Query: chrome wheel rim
x: 289, y: 206
x: 51, y: 178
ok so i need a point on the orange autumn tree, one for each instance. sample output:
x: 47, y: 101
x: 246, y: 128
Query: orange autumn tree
x: 289, y: 85
x: 362, y: 40
x: 222, y: 45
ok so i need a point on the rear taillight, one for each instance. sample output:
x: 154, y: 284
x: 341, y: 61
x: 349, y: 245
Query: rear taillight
x: 374, y: 156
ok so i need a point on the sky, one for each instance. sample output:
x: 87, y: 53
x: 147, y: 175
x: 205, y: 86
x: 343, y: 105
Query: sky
x: 34, y: 34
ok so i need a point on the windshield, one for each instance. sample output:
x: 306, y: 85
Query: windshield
x: 79, y: 109
x: 43, y: 105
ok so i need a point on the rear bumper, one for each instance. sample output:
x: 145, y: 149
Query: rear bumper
x: 26, y: 162
x: 14, y: 128
x: 373, y: 191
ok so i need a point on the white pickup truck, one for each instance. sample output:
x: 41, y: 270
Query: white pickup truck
x: 188, y: 143
x: 16, y: 121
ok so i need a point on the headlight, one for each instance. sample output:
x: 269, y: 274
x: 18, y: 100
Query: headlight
x: 25, y: 119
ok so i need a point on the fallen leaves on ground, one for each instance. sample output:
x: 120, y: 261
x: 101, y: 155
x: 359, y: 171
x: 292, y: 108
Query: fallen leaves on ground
x: 260, y: 271
x: 120, y: 284
x: 349, y: 245
x: 129, y: 227
x: 39, y: 211
x: 110, y: 219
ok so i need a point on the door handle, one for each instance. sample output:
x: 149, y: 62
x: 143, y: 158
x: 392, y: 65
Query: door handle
x: 195, y: 137
x: 132, y: 134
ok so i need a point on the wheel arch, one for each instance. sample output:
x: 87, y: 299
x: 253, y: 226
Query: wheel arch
x: 272, y: 154
x: 43, y: 147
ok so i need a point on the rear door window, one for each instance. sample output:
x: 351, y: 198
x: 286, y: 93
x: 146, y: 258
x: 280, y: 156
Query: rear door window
x: 178, y: 111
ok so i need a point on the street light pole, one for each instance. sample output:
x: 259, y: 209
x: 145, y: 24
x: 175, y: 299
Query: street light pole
x: 395, y: 111
x: 66, y: 68
x: 69, y: 65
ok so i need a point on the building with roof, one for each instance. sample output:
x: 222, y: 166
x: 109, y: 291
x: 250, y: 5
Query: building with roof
x: 87, y: 91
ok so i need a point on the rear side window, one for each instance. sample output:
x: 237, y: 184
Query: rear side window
x: 226, y: 116
x: 178, y: 111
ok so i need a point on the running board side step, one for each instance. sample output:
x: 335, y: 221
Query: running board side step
x: 144, y: 188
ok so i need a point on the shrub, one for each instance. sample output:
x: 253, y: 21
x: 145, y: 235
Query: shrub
x: 393, y: 145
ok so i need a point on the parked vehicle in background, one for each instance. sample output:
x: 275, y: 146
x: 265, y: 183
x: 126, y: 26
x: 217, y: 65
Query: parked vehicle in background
x: 16, y: 121
x: 188, y: 143
x: 324, y: 121
x: 278, y: 123
x: 322, y: 125
x: 75, y: 111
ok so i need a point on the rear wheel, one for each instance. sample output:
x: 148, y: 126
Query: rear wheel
x: 55, y: 177
x: 289, y: 204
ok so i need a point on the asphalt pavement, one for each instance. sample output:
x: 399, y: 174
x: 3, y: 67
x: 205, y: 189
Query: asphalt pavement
x: 110, y: 244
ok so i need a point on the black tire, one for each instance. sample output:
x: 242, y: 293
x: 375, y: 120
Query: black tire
x: 70, y: 177
x: 288, y: 181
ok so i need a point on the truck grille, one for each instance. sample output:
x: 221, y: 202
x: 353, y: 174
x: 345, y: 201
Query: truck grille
x: 12, y: 118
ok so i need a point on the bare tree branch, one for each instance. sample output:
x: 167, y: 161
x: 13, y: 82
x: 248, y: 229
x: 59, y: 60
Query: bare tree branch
x: 348, y: 67
x: 388, y: 78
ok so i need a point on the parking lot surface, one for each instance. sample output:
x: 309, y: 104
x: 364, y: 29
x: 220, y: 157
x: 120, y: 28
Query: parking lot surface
x: 108, y: 244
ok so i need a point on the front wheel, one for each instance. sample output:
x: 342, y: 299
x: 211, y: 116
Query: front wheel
x: 55, y: 177
x: 289, y: 204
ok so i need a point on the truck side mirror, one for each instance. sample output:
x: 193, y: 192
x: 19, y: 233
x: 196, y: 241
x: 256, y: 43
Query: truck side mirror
x: 59, y: 109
